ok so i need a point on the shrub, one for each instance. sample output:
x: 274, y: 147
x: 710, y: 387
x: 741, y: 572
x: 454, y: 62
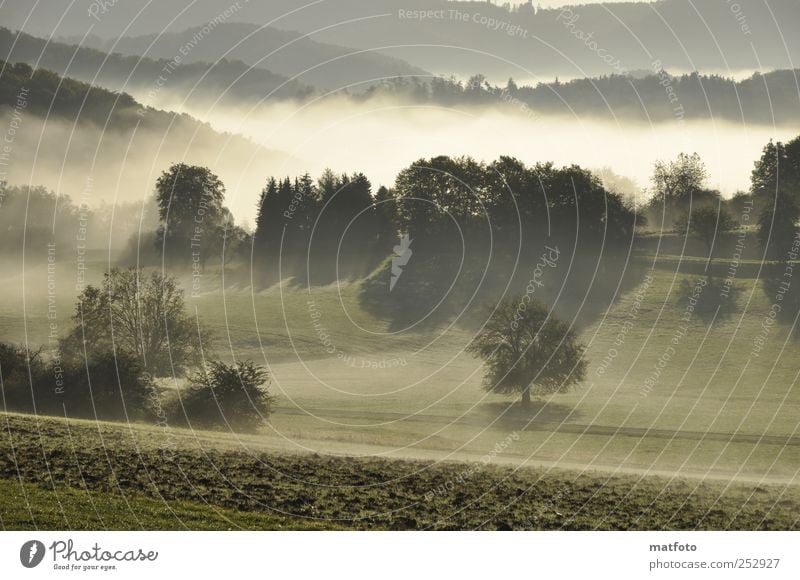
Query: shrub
x: 110, y: 385
x: 228, y: 395
x: 23, y: 380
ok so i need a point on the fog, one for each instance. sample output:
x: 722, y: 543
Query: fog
x: 93, y: 166
x: 380, y: 137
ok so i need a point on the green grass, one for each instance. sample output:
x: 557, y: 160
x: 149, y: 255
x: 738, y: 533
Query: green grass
x: 716, y: 413
x: 433, y: 406
x: 26, y: 506
x: 712, y: 387
x: 82, y: 475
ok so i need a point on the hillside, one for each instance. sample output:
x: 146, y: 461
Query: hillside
x: 685, y: 35
x: 106, y: 146
x: 768, y: 99
x: 283, y: 52
x: 198, y: 82
x: 714, y: 411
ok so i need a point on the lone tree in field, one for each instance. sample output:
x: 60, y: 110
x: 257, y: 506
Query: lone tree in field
x: 141, y: 314
x: 529, y: 351
x: 706, y: 224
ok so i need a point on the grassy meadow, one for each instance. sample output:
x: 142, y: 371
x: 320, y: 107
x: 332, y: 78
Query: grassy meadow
x: 710, y: 442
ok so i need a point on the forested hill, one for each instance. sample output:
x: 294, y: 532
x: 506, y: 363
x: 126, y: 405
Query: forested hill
x: 501, y: 40
x: 280, y: 51
x: 771, y: 98
x: 47, y: 94
x: 201, y: 81
x: 103, y: 146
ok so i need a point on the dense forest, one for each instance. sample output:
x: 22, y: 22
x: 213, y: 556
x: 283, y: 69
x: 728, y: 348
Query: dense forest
x: 650, y: 95
x: 51, y: 95
x: 653, y: 96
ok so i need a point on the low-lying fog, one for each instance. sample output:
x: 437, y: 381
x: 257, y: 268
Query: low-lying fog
x: 92, y: 166
x: 376, y: 138
x: 380, y: 138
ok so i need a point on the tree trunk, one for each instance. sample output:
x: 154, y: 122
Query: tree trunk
x: 526, y: 397
x: 710, y: 246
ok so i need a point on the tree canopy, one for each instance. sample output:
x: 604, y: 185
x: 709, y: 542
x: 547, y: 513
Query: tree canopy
x: 527, y: 350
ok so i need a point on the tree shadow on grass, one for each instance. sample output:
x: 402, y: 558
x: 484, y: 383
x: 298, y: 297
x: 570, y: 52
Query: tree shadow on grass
x: 708, y: 299
x: 782, y: 291
x: 513, y: 416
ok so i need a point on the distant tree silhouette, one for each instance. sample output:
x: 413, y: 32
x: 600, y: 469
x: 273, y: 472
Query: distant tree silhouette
x: 777, y: 226
x: 777, y: 170
x: 707, y: 224
x: 385, y: 224
x: 318, y: 230
x: 193, y: 218
x: 678, y: 185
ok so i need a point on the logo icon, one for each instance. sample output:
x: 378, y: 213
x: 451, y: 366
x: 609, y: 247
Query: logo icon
x: 31, y: 553
x: 402, y: 254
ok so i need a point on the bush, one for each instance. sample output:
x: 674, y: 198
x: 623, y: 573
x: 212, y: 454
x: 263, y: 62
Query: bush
x: 23, y: 380
x: 228, y: 395
x: 110, y: 385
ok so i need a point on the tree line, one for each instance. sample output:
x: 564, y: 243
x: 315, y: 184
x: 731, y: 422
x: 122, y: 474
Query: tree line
x: 639, y: 95
x: 480, y: 231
